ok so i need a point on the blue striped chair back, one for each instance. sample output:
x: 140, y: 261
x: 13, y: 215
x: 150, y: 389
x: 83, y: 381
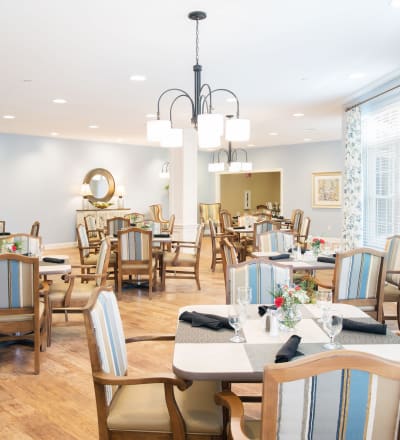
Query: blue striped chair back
x: 26, y: 244
x: 393, y: 259
x: 103, y: 261
x: 115, y: 224
x: 359, y: 279
x: 351, y: 396
x: 261, y: 275
x: 260, y: 228
x: 134, y: 244
x: 103, y: 321
x: 276, y: 241
x: 83, y: 240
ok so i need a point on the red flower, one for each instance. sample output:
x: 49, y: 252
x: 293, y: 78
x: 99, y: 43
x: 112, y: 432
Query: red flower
x: 13, y: 248
x: 278, y: 301
x: 322, y: 241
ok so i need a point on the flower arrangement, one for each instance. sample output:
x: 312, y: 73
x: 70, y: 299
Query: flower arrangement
x: 286, y: 299
x: 14, y: 246
x: 317, y: 242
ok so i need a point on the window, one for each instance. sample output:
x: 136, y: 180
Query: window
x: 381, y: 169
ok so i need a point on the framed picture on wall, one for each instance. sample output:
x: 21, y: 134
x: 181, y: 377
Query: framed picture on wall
x: 327, y: 190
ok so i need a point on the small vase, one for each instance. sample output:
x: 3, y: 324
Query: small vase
x: 316, y: 250
x: 289, y: 316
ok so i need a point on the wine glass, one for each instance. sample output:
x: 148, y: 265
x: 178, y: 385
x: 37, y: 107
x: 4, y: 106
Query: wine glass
x: 333, y: 326
x: 244, y: 297
x: 236, y: 319
x: 324, y: 303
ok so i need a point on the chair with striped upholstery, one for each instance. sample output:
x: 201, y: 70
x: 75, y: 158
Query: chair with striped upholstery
x: 70, y: 296
x: 87, y: 250
x: 23, y: 316
x: 135, y: 256
x: 276, y: 241
x: 261, y: 275
x: 340, y: 394
x: 260, y: 228
x: 229, y: 255
x: 114, y: 224
x: 358, y: 279
x: 210, y: 211
x: 153, y: 407
x: 94, y: 232
x: 21, y: 243
x: 392, y: 284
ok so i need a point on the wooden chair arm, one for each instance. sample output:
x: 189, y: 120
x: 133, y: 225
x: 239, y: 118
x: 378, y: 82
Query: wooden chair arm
x: 236, y: 420
x: 150, y: 338
x: 325, y: 286
x: 165, y: 377
x: 393, y: 271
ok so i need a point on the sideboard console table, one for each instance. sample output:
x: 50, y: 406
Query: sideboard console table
x: 101, y: 215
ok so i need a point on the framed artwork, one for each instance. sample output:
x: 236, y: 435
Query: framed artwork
x: 327, y: 190
x: 247, y: 200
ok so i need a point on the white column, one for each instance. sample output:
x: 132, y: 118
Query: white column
x: 183, y: 186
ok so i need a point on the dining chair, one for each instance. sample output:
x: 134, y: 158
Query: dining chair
x: 391, y: 291
x: 23, y: 315
x: 87, y: 251
x: 210, y: 211
x: 135, y: 257
x: 275, y: 241
x: 261, y: 275
x: 358, y: 279
x: 179, y: 264
x: 70, y: 296
x: 94, y: 232
x: 21, y: 243
x: 302, y: 236
x: 156, y: 216
x: 340, y: 394
x: 229, y: 255
x: 159, y: 406
x: 35, y: 229
x: 216, y: 250
x: 295, y: 221
x: 2, y: 226
x: 225, y: 220
x: 115, y: 224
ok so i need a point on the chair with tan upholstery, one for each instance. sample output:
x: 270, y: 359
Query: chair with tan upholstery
x: 210, y: 211
x: 296, y: 219
x: 340, y: 394
x: 94, y: 232
x: 261, y: 275
x: 71, y: 296
x: 216, y: 256
x: 135, y: 256
x: 159, y: 407
x: 179, y: 264
x: 225, y: 220
x: 228, y: 253
x: 157, y: 216
x: 87, y: 251
x: 115, y: 224
x: 358, y: 279
x: 35, y: 229
x: 23, y: 315
x: 392, y: 283
x: 2, y: 226
x: 302, y: 236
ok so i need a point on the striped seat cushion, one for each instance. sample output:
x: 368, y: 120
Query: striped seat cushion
x: 110, y: 338
x: 262, y: 277
x: 342, y: 404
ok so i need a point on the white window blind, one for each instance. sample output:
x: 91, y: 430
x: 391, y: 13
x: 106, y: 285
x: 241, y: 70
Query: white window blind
x: 381, y: 169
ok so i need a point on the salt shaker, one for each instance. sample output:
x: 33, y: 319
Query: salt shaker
x: 274, y: 325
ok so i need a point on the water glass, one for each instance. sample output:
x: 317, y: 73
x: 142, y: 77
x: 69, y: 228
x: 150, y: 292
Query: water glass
x: 236, y: 321
x: 324, y: 303
x: 333, y: 326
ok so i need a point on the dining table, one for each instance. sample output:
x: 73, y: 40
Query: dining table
x: 60, y: 265
x: 201, y: 353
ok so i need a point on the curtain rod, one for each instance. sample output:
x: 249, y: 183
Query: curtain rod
x: 372, y: 97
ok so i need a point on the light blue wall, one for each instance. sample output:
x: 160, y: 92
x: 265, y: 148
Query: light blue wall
x: 297, y: 163
x: 40, y: 179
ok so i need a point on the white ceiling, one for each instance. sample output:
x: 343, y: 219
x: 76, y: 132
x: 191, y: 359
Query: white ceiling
x: 279, y: 56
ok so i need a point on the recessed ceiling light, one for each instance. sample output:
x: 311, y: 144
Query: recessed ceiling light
x: 298, y: 115
x: 54, y: 133
x: 93, y: 126
x: 307, y: 139
x: 357, y: 75
x: 151, y: 115
x: 395, y: 3
x: 138, y: 78
x: 8, y: 117
x: 59, y: 101
x: 273, y: 133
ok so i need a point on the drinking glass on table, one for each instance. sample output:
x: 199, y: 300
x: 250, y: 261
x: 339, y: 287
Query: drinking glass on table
x: 333, y: 325
x: 244, y: 297
x: 236, y: 320
x: 324, y: 303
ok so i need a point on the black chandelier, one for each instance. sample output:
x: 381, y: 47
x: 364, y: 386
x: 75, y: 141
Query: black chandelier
x: 210, y: 126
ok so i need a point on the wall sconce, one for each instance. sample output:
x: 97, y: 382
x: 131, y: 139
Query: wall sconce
x: 85, y: 193
x: 164, y: 173
x: 120, y: 192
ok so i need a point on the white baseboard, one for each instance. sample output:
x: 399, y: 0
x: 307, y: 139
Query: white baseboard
x: 70, y: 244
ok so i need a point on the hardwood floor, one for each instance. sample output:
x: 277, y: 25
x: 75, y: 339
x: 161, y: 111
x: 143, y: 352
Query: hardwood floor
x: 59, y: 403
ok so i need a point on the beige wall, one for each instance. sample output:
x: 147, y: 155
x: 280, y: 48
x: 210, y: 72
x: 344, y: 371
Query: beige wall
x: 263, y: 186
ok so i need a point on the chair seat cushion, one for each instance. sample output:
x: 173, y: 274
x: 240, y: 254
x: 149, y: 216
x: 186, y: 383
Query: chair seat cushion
x: 22, y: 317
x: 91, y: 259
x: 130, y: 267
x: 79, y: 297
x: 182, y: 260
x: 391, y: 293
x: 252, y: 428
x: 142, y: 407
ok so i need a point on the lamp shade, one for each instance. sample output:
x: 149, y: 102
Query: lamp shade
x: 156, y: 129
x: 237, y: 130
x: 247, y: 166
x: 172, y: 138
x: 235, y: 167
x: 216, y: 167
x: 85, y: 190
x: 210, y: 128
x: 120, y: 191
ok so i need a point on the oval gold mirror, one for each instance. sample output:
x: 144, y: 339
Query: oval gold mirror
x: 101, y: 183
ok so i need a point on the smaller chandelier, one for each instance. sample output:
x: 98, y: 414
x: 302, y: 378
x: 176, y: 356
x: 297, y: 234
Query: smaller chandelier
x: 210, y: 126
x: 229, y: 160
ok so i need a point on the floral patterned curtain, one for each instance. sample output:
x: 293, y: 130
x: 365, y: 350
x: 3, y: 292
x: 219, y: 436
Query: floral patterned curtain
x: 352, y: 182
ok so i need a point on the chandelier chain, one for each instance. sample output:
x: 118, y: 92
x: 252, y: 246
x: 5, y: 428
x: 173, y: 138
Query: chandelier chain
x: 197, y: 41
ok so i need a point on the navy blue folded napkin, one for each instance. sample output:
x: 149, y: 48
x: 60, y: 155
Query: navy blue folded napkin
x: 262, y: 310
x: 53, y: 260
x: 288, y: 350
x: 161, y: 235
x: 357, y: 326
x: 279, y: 257
x: 326, y: 260
x: 238, y: 227
x: 214, y: 322
x: 5, y: 233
